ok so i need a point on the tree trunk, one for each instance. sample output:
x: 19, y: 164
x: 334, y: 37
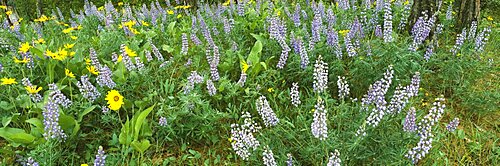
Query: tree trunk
x: 419, y: 8
x: 469, y: 11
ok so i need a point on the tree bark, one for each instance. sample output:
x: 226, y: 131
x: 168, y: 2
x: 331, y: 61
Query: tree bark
x: 469, y: 11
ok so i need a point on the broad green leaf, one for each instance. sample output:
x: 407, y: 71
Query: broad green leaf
x: 141, y: 146
x: 125, y: 137
x: 15, y: 135
x: 167, y: 48
x: 254, y: 56
x: 171, y: 26
x: 35, y: 122
x: 140, y: 120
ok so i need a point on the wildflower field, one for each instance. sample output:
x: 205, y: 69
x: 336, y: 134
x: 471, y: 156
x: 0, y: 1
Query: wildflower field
x: 250, y: 82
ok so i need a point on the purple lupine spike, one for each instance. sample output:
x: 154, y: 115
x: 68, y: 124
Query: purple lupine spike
x: 387, y: 22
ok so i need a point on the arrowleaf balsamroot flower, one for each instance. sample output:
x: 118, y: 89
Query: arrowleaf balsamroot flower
x: 69, y: 73
x: 8, y: 81
x: 25, y: 47
x: 115, y: 100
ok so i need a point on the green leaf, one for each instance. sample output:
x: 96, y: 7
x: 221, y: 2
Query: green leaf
x: 140, y: 120
x: 171, y: 26
x: 35, y: 122
x: 167, y: 48
x: 254, y: 56
x: 85, y: 112
x: 141, y: 146
x: 125, y: 137
x: 15, y: 135
x: 37, y: 52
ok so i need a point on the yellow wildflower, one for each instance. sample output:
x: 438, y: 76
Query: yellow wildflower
x: 270, y: 90
x: 226, y: 3
x: 25, y: 60
x: 24, y: 47
x: 84, y: 165
x: 43, y: 18
x: 73, y: 37
x: 244, y: 66
x: 115, y: 100
x: 33, y: 89
x: 100, y: 8
x: 40, y: 41
x: 344, y: 32
x: 129, y: 23
x: 3, y: 7
x: 69, y: 46
x: 170, y: 12
x: 51, y: 54
x: 69, y: 73
x: 92, y: 70
x: 489, y: 18
x: 144, y: 23
x: 120, y: 3
x: 119, y: 58
x: 406, y: 2
x: 8, y: 81
x: 8, y: 13
x: 130, y: 52
x: 67, y: 30
x: 179, y: 16
x: 72, y: 53
x: 87, y: 61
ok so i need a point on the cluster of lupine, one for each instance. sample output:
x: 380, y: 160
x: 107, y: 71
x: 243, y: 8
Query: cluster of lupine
x: 376, y: 96
x: 387, y: 22
x: 211, y: 87
x: 58, y: 97
x: 242, y: 138
x: 459, y: 42
x: 88, y: 90
x: 319, y: 128
x: 334, y: 159
x: 409, y: 124
x: 27, y: 161
x: 320, y: 75
x: 294, y: 94
x: 343, y: 87
x: 481, y: 39
x: 421, y: 30
x: 194, y: 78
x: 277, y: 31
x: 268, y: 157
x: 289, y: 161
x: 266, y: 112
x: 100, y: 157
x: 404, y: 16
x: 184, y: 49
x: 403, y: 94
x: 162, y: 121
x: 424, y: 131
x: 452, y: 126
x: 52, y: 129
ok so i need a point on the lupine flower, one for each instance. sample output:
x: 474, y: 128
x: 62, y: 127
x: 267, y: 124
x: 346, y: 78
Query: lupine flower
x: 361, y: 132
x: 316, y: 27
x: 242, y: 138
x: 452, y: 126
x: 243, y: 79
x: 409, y: 123
x: 104, y: 109
x: 334, y: 159
x: 378, y: 31
x: 343, y: 4
x: 52, y: 130
x: 241, y: 7
x: 156, y: 52
x: 211, y: 87
x: 283, y: 56
x: 404, y: 16
x: 289, y: 161
x: 184, y: 49
x: 458, y: 43
x: 387, y: 22
x: 304, y: 59
x: 424, y: 130
x: 192, y: 79
x: 94, y: 58
x: 449, y: 12
x: 332, y: 39
x: 318, y: 126
x: 266, y: 112
x: 351, y: 51
x: 128, y: 63
x: 376, y: 95
x: 428, y: 52
x: 195, y: 39
x: 472, y: 30
x: 227, y: 25
x: 148, y: 55
x: 104, y: 77
x: 268, y: 157
x: 58, y: 97
x: 320, y: 75
x: 87, y: 89
x: 296, y: 16
x: 162, y: 122
x: 100, y: 158
x: 214, y: 62
x: 27, y: 162
x: 481, y: 39
x: 294, y: 94
x: 139, y: 64
x: 1, y: 67
x: 343, y: 87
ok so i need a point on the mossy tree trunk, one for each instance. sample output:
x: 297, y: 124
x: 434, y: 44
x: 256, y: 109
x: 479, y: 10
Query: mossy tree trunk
x: 467, y: 11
